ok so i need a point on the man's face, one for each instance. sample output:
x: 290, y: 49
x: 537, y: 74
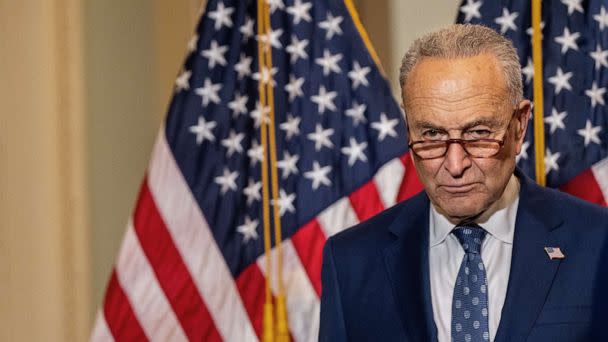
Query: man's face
x: 463, y: 98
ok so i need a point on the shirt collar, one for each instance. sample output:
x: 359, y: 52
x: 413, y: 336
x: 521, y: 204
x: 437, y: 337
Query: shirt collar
x: 498, y: 220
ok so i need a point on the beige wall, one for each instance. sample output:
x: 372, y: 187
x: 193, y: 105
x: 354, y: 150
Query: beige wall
x: 84, y: 86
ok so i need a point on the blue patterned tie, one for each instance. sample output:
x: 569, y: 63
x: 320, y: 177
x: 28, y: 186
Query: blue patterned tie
x: 470, y: 301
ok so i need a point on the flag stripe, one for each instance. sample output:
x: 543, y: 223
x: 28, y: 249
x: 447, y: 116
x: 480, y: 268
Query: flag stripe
x: 302, y: 302
x: 119, y: 315
x: 309, y: 242
x: 600, y: 171
x: 388, y: 180
x: 410, y: 184
x: 366, y: 201
x: 194, y: 240
x: 337, y: 217
x: 586, y: 187
x: 101, y: 331
x: 250, y: 284
x: 171, y: 272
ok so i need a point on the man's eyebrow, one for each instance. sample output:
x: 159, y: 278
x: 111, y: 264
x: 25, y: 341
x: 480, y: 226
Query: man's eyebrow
x: 490, y: 122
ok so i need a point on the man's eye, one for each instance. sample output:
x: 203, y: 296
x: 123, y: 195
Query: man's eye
x: 478, y: 133
x: 431, y: 134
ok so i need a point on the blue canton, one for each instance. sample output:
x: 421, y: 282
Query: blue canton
x: 333, y: 133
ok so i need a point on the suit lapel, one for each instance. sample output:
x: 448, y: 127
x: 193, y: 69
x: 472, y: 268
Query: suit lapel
x: 407, y: 264
x: 532, y: 272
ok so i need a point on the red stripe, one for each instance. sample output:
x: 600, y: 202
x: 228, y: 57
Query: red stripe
x: 411, y: 184
x: 585, y: 186
x: 171, y: 272
x: 308, y: 243
x: 366, y: 201
x: 250, y: 284
x: 119, y: 315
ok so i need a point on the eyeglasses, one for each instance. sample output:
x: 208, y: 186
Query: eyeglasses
x: 476, y: 148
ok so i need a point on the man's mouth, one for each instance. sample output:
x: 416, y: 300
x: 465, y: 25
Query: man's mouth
x: 458, y: 189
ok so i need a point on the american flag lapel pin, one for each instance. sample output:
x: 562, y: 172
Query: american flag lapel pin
x: 554, y: 253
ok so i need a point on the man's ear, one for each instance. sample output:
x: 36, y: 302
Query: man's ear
x: 524, y: 109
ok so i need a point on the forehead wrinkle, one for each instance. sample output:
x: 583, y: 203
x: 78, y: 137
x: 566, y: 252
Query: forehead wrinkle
x: 490, y: 122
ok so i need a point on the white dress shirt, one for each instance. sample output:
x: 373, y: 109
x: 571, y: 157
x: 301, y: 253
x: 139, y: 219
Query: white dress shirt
x: 446, y: 254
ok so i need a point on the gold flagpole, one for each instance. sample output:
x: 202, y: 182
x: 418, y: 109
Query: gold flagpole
x: 539, y: 128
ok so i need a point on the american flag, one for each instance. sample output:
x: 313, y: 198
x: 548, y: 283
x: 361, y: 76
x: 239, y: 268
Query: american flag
x: 554, y: 253
x: 575, y: 79
x: 192, y: 262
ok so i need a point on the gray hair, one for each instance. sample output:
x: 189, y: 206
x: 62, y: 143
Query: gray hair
x: 461, y: 41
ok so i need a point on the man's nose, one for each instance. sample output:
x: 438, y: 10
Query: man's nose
x: 456, y: 160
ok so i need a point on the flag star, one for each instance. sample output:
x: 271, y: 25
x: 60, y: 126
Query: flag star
x: 259, y: 114
x: 248, y: 229
x: 247, y: 29
x: 573, y: 5
x: 329, y: 62
x: 595, y: 94
x: 530, y: 30
x: 297, y: 49
x: 357, y: 112
x: 600, y: 57
x: 267, y: 75
x: 385, y: 127
x: 227, y: 181
x: 568, y: 40
x: 221, y: 16
x: 358, y: 75
x: 321, y: 137
x: 209, y: 92
x: 192, y: 43
x: 300, y: 10
x: 215, y: 54
x: 524, y: 152
x: 288, y: 164
x: 233, y: 143
x: 560, y: 80
x: 252, y: 191
x: 243, y: 67
x: 285, y: 202
x: 275, y: 4
x: 354, y: 151
x: 471, y: 10
x: 238, y: 105
x: 318, y: 175
x: 528, y: 70
x: 551, y: 161
x: 506, y: 21
x: 331, y: 25
x: 183, y: 81
x: 590, y: 133
x: 255, y: 153
x: 294, y: 87
x: 271, y: 37
x: 556, y: 120
x: 202, y: 130
x: 325, y: 100
x: 291, y: 126
x: 602, y: 18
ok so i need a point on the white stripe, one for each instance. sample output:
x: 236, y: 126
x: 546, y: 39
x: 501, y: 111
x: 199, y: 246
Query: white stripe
x: 302, y: 302
x: 196, y: 244
x: 337, y: 217
x: 388, y: 181
x: 101, y: 332
x: 141, y: 287
x: 600, y: 171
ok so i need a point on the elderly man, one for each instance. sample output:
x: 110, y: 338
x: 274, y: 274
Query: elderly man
x: 483, y: 254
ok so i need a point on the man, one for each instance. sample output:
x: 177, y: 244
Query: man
x: 483, y: 254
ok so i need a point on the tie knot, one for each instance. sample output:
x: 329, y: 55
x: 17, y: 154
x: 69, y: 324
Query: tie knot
x: 470, y: 236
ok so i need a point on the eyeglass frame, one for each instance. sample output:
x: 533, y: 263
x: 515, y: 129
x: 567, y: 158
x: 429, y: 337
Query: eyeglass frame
x: 463, y: 142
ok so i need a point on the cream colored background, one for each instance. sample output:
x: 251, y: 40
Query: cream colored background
x: 83, y: 88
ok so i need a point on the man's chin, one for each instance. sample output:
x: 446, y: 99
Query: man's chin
x: 459, y: 211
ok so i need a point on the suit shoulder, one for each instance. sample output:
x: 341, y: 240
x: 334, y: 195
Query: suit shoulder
x: 571, y: 206
x: 375, y: 229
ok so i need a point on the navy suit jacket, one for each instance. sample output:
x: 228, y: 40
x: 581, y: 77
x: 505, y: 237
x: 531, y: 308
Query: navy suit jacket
x: 376, y: 274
